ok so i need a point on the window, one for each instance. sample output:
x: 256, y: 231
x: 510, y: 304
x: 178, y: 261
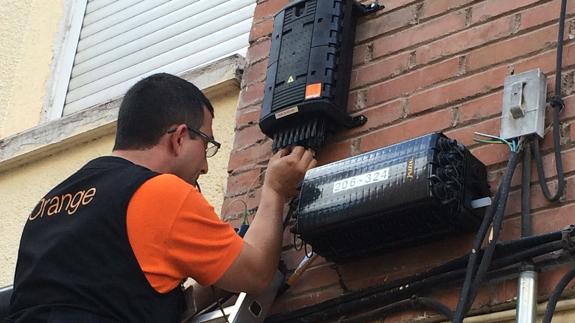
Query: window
x: 120, y: 42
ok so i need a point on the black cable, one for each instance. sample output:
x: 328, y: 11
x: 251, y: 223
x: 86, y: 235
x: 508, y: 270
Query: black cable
x: 469, y: 290
x: 497, y: 225
x: 556, y: 294
x: 474, y: 255
x: 527, y: 255
x: 220, y: 306
x: 526, y: 191
x: 557, y: 104
x: 559, y: 61
x: 558, y: 163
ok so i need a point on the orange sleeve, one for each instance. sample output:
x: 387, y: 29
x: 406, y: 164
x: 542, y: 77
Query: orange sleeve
x: 175, y: 233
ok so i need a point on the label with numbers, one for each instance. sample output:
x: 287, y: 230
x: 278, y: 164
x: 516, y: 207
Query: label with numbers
x: 361, y: 180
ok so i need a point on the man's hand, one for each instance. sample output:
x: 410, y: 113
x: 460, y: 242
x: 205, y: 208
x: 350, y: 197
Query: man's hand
x: 255, y: 267
x: 287, y: 168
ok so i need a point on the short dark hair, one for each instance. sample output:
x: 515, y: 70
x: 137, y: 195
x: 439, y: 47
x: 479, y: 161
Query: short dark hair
x: 154, y: 104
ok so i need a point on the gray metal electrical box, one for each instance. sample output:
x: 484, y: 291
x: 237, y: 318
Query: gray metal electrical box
x: 524, y: 101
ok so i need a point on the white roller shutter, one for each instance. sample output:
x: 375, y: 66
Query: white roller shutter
x: 123, y: 41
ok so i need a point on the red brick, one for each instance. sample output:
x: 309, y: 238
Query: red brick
x: 245, y: 158
x: 479, y: 35
x: 287, y: 302
x: 235, y: 214
x: 334, y: 151
x: 544, y: 221
x: 464, y: 40
x: 314, y: 279
x: 255, y: 73
x: 569, y: 110
x: 481, y: 108
x: 537, y: 199
x: 546, y: 61
x: 268, y: 9
x: 243, y: 182
x: 572, y: 132
x: 361, y: 54
x: 247, y: 137
x: 410, y: 82
x: 549, y: 163
x: 544, y: 13
x: 492, y: 8
x: 261, y: 29
x: 491, y: 154
x: 411, y: 128
x: 233, y: 208
x: 418, y: 34
x: 548, y: 166
x: 386, y: 23
x: 465, y: 135
x: 353, y: 102
x: 293, y: 257
x: 549, y: 280
x: 377, y: 117
x: 438, y: 7
x: 380, y: 70
x: 251, y: 94
x: 512, y: 48
x: 247, y: 117
x: 258, y: 51
x: 457, y: 90
x: 360, y: 274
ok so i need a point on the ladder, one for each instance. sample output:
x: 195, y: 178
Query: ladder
x: 247, y: 308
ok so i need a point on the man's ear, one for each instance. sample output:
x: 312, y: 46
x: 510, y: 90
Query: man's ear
x: 176, y: 139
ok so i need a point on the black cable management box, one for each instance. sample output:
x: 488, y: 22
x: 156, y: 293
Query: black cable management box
x: 398, y: 196
x: 308, y: 73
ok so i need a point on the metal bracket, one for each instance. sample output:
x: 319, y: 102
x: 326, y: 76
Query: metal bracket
x: 359, y: 120
x: 366, y: 9
x: 566, y: 240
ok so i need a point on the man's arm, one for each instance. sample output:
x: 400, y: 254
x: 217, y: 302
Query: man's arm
x: 254, y: 268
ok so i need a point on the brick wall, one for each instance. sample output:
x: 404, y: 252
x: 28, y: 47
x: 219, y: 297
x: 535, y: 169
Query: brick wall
x: 421, y: 66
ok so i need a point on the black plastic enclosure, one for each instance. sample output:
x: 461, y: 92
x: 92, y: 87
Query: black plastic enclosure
x: 393, y: 197
x: 308, y: 73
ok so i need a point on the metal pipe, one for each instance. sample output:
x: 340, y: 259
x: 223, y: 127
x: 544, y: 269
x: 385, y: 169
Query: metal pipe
x: 527, y: 283
x: 527, y: 296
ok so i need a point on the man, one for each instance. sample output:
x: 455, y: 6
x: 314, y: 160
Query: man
x: 113, y: 242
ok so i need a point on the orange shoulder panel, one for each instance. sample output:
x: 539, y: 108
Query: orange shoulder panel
x: 175, y: 233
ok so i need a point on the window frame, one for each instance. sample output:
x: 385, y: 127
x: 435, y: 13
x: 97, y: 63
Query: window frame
x: 65, y: 47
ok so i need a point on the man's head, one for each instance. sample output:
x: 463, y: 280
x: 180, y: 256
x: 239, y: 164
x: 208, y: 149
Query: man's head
x: 165, y: 111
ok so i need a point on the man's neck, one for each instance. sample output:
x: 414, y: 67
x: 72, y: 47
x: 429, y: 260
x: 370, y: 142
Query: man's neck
x: 148, y: 158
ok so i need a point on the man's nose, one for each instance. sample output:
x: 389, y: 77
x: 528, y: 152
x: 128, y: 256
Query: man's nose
x: 204, y: 169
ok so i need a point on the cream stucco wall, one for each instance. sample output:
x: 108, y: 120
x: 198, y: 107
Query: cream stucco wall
x: 27, y: 34
x: 22, y: 187
x: 213, y: 184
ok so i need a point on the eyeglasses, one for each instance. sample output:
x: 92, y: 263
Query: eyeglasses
x: 212, y: 146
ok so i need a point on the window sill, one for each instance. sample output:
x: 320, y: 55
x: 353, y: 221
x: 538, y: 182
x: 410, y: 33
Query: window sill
x: 49, y: 138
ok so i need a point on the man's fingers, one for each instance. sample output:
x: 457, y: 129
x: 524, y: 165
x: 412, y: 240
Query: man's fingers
x: 281, y: 153
x: 298, y: 152
x: 312, y: 164
x: 306, y: 159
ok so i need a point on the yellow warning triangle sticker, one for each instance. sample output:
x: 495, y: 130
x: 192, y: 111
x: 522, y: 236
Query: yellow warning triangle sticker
x: 290, y: 79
